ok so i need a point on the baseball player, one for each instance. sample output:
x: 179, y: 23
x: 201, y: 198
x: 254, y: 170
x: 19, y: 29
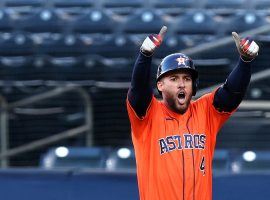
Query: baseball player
x: 174, y: 139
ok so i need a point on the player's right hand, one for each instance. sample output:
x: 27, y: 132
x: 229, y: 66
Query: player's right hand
x: 152, y: 42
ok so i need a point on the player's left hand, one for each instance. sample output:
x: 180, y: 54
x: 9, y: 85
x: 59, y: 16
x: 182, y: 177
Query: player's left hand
x: 247, y: 48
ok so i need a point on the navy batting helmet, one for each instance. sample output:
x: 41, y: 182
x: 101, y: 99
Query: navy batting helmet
x: 175, y: 62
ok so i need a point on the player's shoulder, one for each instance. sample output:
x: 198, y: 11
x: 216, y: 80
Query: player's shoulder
x: 204, y: 102
x: 150, y: 111
x: 205, y: 98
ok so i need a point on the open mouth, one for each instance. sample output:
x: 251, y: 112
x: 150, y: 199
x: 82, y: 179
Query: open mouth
x: 181, y: 97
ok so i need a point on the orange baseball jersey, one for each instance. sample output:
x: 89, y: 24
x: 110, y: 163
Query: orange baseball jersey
x: 174, y: 152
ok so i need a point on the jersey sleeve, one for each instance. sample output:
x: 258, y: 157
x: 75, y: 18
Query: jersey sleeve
x: 140, y: 124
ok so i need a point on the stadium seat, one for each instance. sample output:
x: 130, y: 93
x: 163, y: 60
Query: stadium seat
x: 117, y: 70
x: 221, y: 161
x: 244, y: 21
x: 75, y: 157
x: 121, y: 159
x: 40, y: 68
x: 73, y: 3
x: 262, y: 4
x: 196, y: 22
x: 115, y: 46
x: 93, y: 21
x: 64, y: 68
x: 123, y: 7
x: 225, y: 4
x: 145, y: 21
x: 123, y: 4
x: 6, y: 22
x: 196, y: 27
x: 66, y: 44
x: 40, y: 21
x: 85, y: 67
x: 16, y: 3
x: 14, y: 68
x: 173, y: 3
x: 93, y: 68
x: 226, y: 51
x: 16, y: 44
x: 251, y: 161
x: 212, y: 71
x: 72, y: 68
x: 172, y: 43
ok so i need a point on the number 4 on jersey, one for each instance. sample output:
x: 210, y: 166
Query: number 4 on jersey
x: 202, y: 165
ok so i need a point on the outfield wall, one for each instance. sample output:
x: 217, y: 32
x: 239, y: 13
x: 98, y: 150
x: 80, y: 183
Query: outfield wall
x: 28, y: 184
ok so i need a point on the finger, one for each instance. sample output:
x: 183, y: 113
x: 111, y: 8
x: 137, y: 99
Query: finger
x: 163, y: 31
x: 254, y: 51
x: 257, y: 50
x: 236, y: 37
x: 245, y: 42
x: 250, y: 50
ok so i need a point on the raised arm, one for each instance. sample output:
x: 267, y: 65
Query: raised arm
x: 140, y: 92
x: 230, y: 95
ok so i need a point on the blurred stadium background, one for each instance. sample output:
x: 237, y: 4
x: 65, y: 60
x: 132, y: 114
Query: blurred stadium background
x: 65, y: 68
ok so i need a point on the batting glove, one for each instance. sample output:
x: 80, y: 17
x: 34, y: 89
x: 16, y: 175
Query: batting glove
x: 247, y: 48
x: 152, y: 42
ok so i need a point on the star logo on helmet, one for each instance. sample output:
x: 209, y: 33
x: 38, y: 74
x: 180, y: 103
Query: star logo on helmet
x: 181, y: 61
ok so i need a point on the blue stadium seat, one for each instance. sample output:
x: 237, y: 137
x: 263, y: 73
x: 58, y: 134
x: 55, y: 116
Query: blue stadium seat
x: 221, y: 161
x: 123, y: 4
x: 121, y: 159
x: 42, y: 20
x: 196, y: 27
x: 71, y: 68
x: 68, y: 69
x: 94, y: 21
x: 6, y: 22
x: 244, y: 21
x: 172, y: 43
x: 225, y: 4
x: 16, y: 44
x: 262, y: 4
x: 251, y: 161
x: 226, y: 51
x: 73, y: 3
x: 196, y: 22
x: 123, y: 7
x: 66, y: 44
x: 173, y: 3
x: 27, y: 68
x: 40, y: 68
x: 212, y: 71
x: 16, y: 3
x: 143, y: 21
x: 115, y: 46
x: 14, y: 68
x: 117, y: 70
x: 75, y: 157
x: 65, y: 68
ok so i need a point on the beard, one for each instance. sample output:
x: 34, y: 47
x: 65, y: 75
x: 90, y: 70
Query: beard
x: 178, y: 104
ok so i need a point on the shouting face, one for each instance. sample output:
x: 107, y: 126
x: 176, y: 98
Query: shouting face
x: 176, y: 88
